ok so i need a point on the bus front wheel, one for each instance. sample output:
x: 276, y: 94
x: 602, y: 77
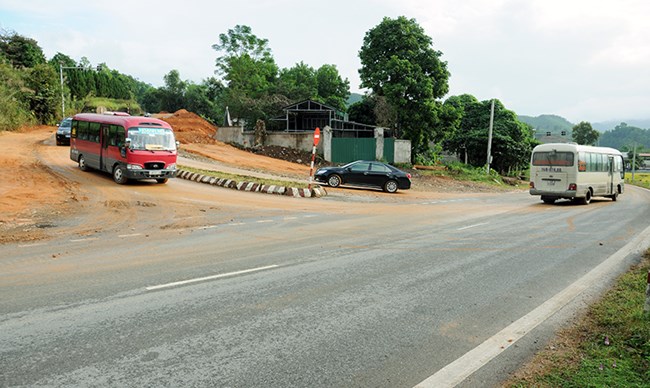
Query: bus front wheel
x: 119, y: 175
x: 82, y: 163
x: 162, y: 180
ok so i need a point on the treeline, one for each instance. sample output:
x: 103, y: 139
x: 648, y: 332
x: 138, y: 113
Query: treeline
x: 406, y: 78
x: 624, y: 137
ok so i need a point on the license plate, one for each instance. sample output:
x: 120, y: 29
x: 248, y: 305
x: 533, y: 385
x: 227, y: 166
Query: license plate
x: 155, y: 173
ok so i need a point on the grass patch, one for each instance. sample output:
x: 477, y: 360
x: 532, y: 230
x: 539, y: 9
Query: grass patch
x: 244, y: 178
x: 609, y: 347
x: 464, y: 172
x: 640, y: 179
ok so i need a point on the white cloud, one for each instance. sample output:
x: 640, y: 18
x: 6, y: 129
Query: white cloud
x: 585, y: 59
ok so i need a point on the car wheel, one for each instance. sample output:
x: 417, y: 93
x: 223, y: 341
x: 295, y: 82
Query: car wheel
x: 614, y: 196
x: 390, y: 186
x: 82, y: 163
x: 162, y: 180
x: 334, y: 180
x: 587, y: 199
x: 119, y: 175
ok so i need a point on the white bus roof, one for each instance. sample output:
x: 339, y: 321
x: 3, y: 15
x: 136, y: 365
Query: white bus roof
x: 575, y: 148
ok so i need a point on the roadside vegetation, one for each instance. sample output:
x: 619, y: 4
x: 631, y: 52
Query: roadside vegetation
x: 464, y: 172
x: 640, y: 179
x: 244, y: 178
x: 608, y: 347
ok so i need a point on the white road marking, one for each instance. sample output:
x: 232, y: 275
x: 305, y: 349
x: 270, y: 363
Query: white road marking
x: 454, y: 373
x: 263, y: 221
x: 129, y: 235
x: 207, y: 227
x: 84, y: 239
x: 31, y: 245
x: 223, y: 275
x: 473, y: 226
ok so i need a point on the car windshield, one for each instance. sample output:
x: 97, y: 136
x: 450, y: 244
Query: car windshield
x: 66, y: 123
x: 152, y: 139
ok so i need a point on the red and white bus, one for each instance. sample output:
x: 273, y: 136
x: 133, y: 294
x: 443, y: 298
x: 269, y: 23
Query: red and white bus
x: 128, y: 147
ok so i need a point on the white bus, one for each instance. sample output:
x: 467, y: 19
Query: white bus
x: 576, y: 172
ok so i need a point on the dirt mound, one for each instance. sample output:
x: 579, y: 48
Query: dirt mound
x: 191, y: 128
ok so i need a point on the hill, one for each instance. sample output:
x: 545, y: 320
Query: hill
x: 550, y: 123
x: 354, y: 97
x: 611, y: 124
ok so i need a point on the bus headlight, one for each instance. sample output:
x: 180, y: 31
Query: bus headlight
x: 133, y: 167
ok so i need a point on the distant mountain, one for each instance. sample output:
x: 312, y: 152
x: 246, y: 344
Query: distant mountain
x: 354, y: 97
x: 611, y: 124
x: 547, y: 123
x: 550, y: 128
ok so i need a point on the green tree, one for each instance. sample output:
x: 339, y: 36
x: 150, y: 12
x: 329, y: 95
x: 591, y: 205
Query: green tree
x: 250, y: 72
x: 331, y: 88
x: 584, y: 134
x: 512, y: 140
x: 363, y: 111
x: 399, y: 63
x: 173, y: 93
x: 43, y: 96
x: 298, y: 83
x: 14, y: 108
x: 22, y: 52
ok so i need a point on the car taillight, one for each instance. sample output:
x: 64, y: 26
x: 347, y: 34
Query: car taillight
x: 532, y: 185
x: 408, y: 175
x: 573, y: 186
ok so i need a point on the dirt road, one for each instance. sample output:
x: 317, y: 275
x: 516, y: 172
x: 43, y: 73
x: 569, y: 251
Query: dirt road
x: 41, y: 187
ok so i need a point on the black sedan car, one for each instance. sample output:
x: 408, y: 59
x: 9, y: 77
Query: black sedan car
x: 63, y: 132
x: 365, y: 173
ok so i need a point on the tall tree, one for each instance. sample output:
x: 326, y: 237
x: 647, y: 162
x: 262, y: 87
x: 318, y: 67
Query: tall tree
x: 332, y: 89
x: 298, y: 82
x: 584, y: 134
x: 399, y: 63
x: 250, y: 73
x: 173, y: 93
x: 43, y: 95
x: 22, y: 52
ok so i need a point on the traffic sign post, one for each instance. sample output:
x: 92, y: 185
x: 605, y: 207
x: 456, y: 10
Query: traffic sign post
x: 313, y: 156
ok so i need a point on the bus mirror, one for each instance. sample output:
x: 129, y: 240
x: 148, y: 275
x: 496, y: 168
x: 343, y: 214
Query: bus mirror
x: 178, y: 144
x: 127, y: 142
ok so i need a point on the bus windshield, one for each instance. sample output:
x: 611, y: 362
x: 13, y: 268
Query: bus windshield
x: 553, y: 158
x: 152, y: 139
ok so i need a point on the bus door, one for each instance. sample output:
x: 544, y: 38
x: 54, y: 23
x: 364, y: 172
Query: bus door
x: 103, y: 152
x: 610, y: 174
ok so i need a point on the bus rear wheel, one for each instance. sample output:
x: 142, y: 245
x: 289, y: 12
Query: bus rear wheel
x: 587, y: 199
x: 119, y: 175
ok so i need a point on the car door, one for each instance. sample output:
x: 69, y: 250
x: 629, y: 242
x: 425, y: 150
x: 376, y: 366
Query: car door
x: 378, y: 174
x: 358, y: 173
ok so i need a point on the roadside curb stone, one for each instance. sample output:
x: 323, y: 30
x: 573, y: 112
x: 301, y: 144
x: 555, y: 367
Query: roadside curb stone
x: 315, y: 192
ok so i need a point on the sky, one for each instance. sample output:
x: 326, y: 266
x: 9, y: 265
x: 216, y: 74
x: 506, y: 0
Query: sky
x: 585, y: 60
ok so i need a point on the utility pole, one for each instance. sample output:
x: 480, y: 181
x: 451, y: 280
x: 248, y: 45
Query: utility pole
x: 489, y: 149
x: 61, y: 68
x: 633, y: 162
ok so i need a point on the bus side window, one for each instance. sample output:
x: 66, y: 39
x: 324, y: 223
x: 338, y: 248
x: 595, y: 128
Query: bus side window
x: 582, y: 164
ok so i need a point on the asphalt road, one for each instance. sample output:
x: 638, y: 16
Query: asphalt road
x: 190, y: 285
